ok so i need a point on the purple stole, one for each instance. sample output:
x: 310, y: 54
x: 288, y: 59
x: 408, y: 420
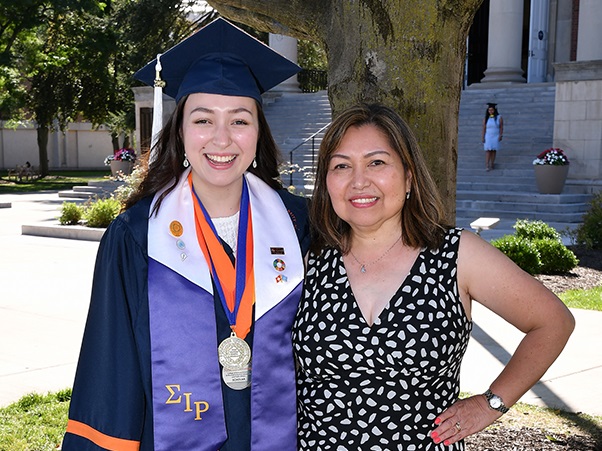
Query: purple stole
x: 188, y: 408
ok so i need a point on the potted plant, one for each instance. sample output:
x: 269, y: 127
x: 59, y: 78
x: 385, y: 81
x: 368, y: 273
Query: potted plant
x: 551, y: 169
x: 121, y: 161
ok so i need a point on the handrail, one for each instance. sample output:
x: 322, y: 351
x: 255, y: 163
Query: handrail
x: 313, y: 150
x: 308, y: 138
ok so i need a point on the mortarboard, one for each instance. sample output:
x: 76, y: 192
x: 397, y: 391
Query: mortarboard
x: 219, y: 59
x: 491, y: 105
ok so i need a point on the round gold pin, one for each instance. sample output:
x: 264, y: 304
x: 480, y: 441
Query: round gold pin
x: 176, y: 228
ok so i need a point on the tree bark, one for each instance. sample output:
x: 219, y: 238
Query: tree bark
x: 406, y: 54
x: 42, y: 134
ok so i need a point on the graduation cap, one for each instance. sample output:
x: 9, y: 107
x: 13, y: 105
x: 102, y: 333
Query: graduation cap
x: 219, y: 59
x: 491, y: 105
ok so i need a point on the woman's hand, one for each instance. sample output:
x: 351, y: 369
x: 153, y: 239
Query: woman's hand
x: 465, y: 417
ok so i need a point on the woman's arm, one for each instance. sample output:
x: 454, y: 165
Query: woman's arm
x: 483, y: 131
x: 501, y: 127
x: 487, y: 276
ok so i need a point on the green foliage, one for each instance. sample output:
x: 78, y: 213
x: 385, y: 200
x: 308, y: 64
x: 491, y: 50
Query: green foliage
x: 590, y: 232
x: 521, y: 251
x: 311, y: 55
x: 555, y: 256
x: 537, y: 239
x: 71, y: 213
x: 35, y: 422
x: 535, y: 230
x: 101, y: 212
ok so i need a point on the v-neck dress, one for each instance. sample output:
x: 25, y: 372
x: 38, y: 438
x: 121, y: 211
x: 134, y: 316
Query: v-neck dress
x: 379, y: 387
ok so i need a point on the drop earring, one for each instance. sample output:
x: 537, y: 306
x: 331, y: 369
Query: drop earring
x: 254, y: 162
x: 407, y: 195
x: 185, y: 163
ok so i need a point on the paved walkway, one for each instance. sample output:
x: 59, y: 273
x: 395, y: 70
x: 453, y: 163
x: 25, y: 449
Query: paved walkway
x: 44, y: 293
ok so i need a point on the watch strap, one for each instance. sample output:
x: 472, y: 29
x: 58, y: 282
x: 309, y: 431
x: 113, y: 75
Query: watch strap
x: 490, y: 395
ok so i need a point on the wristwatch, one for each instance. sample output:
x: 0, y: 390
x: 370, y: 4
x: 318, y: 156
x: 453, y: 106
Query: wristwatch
x: 495, y: 402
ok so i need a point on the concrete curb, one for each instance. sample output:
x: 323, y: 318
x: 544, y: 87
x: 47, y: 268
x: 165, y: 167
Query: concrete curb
x: 64, y: 231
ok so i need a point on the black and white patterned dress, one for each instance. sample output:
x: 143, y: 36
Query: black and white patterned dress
x: 379, y: 387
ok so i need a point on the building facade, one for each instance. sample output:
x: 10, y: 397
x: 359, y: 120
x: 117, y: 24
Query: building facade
x: 513, y: 42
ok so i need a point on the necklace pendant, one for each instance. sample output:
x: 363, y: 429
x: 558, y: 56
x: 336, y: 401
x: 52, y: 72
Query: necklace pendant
x: 363, y: 268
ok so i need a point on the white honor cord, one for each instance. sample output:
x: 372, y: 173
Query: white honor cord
x: 157, y: 108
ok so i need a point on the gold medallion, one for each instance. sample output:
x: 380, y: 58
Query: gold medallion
x: 234, y: 353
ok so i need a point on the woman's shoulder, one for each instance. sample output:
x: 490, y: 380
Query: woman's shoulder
x: 293, y: 201
x: 132, y: 224
x: 298, y: 210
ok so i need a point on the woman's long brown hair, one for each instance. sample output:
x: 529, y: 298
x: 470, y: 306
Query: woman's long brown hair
x: 422, y: 216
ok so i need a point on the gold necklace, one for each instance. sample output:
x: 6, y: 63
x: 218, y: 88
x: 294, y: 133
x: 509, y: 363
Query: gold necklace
x: 363, y: 265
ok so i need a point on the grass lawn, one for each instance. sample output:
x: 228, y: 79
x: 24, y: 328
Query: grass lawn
x: 56, y: 180
x: 584, y: 299
x: 35, y: 422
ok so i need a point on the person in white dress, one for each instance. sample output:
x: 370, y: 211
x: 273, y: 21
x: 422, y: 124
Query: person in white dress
x: 493, y: 131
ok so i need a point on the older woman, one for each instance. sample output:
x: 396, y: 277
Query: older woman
x: 386, y: 315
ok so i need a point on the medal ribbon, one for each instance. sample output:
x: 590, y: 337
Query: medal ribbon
x: 235, y: 285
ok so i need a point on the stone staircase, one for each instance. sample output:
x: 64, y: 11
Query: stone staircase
x: 294, y: 119
x: 509, y: 192
x: 93, y: 190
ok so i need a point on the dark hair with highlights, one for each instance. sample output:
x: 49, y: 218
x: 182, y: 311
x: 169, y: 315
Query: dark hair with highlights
x: 166, y: 169
x: 422, y: 216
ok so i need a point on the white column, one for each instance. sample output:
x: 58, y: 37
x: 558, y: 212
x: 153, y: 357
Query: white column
x: 505, y: 42
x: 589, y: 38
x: 287, y: 47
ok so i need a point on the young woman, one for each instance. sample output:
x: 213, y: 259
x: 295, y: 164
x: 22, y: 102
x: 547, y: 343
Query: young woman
x: 493, y: 132
x: 199, y: 279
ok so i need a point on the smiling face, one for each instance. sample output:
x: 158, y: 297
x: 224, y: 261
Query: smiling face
x: 366, y: 181
x: 220, y: 140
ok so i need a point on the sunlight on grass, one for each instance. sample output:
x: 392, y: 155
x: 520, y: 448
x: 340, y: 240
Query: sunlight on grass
x: 35, y: 422
x: 56, y: 180
x: 590, y: 299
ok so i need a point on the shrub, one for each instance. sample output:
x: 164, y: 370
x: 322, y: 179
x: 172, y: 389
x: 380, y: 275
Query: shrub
x: 535, y: 230
x: 555, y: 256
x: 132, y: 181
x: 552, y: 255
x: 590, y: 232
x: 71, y: 214
x: 101, y: 212
x: 521, y: 251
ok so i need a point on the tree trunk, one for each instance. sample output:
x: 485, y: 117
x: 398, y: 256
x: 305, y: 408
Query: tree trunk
x: 406, y: 54
x: 42, y: 133
x: 115, y: 141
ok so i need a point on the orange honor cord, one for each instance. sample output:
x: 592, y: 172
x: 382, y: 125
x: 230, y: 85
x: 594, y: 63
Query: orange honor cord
x: 100, y: 439
x: 222, y: 270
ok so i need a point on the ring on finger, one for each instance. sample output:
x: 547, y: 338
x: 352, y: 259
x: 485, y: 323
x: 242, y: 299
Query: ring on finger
x: 458, y: 426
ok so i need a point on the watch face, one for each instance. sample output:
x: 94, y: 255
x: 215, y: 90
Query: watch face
x: 495, y: 402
